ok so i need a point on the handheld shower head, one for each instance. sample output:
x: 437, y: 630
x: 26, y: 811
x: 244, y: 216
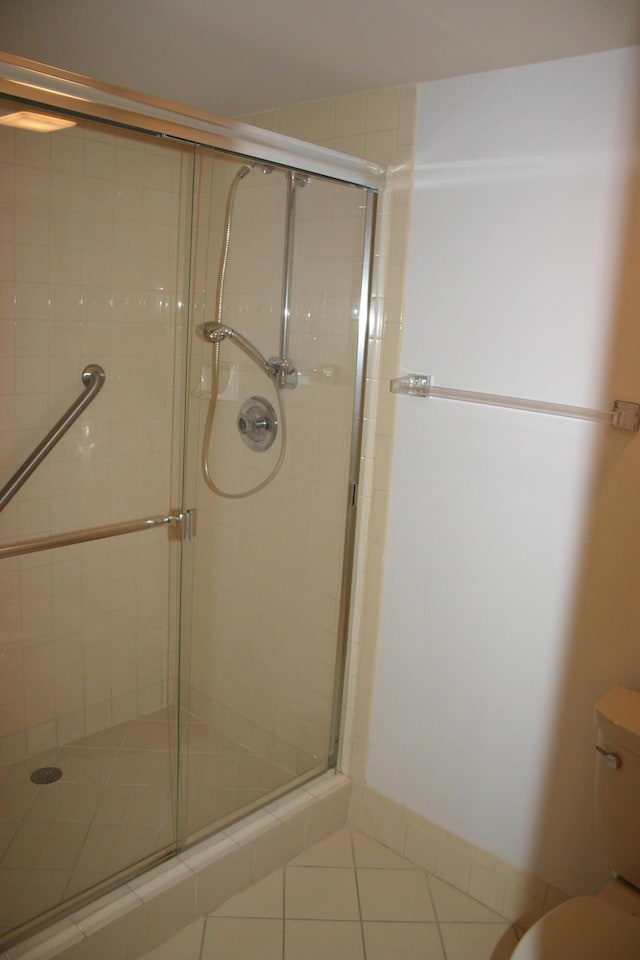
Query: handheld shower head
x: 253, y: 165
x: 215, y: 332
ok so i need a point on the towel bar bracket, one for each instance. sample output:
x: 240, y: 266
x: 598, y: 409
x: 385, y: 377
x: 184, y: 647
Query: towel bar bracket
x: 626, y: 415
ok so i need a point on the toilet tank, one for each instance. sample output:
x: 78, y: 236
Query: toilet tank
x: 617, y: 794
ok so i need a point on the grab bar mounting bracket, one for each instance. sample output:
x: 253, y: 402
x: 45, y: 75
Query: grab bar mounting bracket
x: 188, y: 523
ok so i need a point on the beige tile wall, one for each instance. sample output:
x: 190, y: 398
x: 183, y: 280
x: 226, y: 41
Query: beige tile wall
x: 91, y: 219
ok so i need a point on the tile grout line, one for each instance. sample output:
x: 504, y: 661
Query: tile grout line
x: 355, y: 874
x: 204, y: 932
x: 435, y: 913
x: 284, y: 909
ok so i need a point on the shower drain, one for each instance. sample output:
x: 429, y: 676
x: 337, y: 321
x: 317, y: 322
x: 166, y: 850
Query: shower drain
x: 46, y: 775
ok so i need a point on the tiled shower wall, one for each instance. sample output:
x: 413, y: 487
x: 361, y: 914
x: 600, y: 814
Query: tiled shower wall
x: 90, y: 221
x: 378, y: 125
x: 268, y: 567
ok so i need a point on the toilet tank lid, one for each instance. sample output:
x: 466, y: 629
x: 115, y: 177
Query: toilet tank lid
x: 618, y: 715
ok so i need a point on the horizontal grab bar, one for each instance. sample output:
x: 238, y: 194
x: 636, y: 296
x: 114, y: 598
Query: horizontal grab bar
x: 625, y: 415
x: 17, y: 548
x: 93, y: 377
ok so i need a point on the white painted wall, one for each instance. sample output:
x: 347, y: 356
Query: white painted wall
x: 514, y: 541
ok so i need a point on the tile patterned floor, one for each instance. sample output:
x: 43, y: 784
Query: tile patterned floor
x: 347, y: 898
x: 113, y: 806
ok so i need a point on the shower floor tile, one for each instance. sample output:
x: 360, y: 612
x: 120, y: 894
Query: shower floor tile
x: 298, y: 913
x: 113, y: 806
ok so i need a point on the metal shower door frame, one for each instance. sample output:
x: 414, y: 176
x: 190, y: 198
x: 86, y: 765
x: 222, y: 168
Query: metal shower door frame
x: 348, y: 559
x: 75, y: 95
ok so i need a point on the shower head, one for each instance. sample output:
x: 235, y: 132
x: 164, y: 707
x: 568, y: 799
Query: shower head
x: 253, y: 165
x: 215, y: 332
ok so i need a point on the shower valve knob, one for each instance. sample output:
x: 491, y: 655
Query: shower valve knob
x: 255, y: 426
x: 257, y: 423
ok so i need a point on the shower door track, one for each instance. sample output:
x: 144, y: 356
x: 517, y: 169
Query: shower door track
x: 184, y: 521
x: 32, y: 82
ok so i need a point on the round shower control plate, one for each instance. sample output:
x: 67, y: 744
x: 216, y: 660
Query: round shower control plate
x: 257, y: 423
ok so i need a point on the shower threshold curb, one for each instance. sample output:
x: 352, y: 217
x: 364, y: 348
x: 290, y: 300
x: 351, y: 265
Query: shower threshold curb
x: 136, y: 917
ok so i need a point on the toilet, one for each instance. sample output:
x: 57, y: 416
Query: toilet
x: 607, y: 926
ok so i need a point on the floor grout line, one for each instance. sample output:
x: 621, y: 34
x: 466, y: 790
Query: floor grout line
x: 202, y: 937
x: 355, y: 874
x: 284, y: 910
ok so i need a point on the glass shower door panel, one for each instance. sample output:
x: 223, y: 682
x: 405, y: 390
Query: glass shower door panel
x: 97, y: 229
x: 325, y: 324
x: 325, y: 329
x: 266, y: 584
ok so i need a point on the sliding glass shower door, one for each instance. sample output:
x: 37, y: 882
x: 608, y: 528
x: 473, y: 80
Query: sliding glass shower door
x: 267, y: 587
x: 175, y: 574
x: 96, y: 232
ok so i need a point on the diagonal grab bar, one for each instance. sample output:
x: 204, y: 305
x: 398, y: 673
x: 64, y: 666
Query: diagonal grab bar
x: 93, y: 377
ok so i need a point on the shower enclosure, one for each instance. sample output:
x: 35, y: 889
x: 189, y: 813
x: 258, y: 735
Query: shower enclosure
x: 176, y: 571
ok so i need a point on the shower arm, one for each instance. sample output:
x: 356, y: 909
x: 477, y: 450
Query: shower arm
x: 217, y: 332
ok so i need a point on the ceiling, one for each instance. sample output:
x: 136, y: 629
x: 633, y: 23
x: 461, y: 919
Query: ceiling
x: 236, y: 57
